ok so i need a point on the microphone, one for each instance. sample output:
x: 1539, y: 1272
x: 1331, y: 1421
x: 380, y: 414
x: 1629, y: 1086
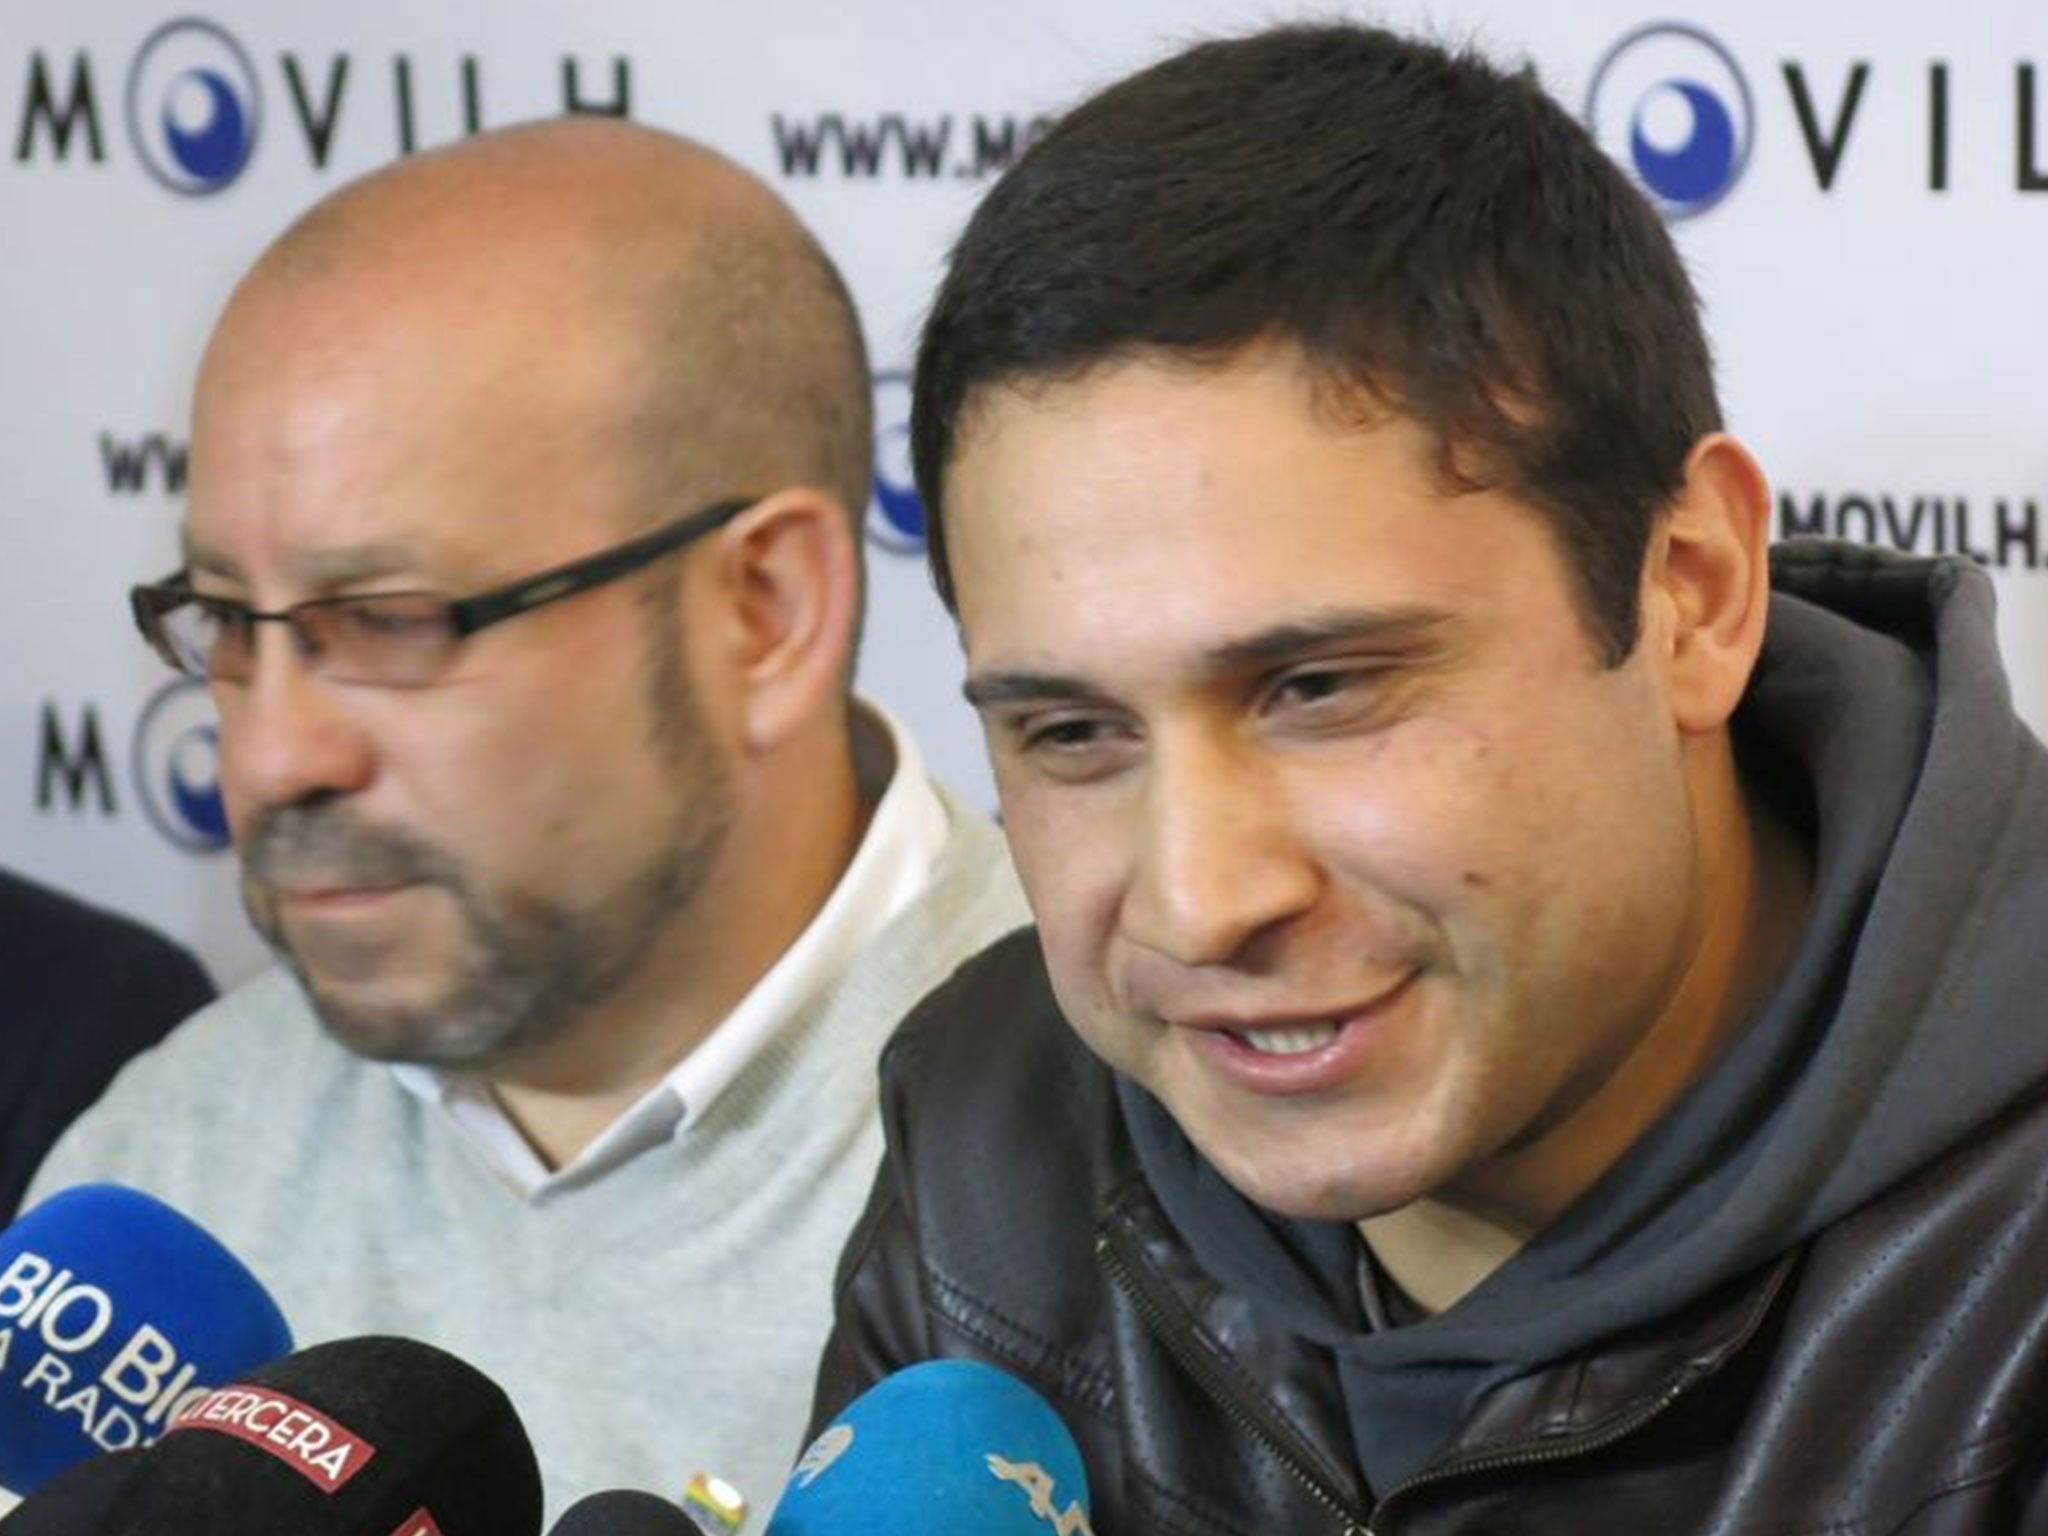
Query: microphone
x: 622, y: 1512
x: 75, y: 1502
x: 944, y: 1448
x: 360, y: 1437
x: 115, y: 1312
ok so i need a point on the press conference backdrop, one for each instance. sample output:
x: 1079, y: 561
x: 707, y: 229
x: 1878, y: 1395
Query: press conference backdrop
x: 1861, y: 192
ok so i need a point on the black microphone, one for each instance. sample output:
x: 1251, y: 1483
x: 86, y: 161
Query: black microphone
x: 75, y: 1502
x: 360, y: 1437
x: 623, y: 1512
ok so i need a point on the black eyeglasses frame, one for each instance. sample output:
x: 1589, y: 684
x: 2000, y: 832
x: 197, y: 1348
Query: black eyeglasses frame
x: 150, y: 603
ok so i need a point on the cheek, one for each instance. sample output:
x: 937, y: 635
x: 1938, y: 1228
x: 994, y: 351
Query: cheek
x: 575, y: 794
x: 1425, y: 815
x: 1572, y: 861
x: 233, y: 801
x: 510, y: 784
x: 1065, y: 844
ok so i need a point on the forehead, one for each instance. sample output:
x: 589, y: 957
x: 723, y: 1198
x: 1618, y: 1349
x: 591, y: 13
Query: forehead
x: 330, y: 421
x: 1149, y: 507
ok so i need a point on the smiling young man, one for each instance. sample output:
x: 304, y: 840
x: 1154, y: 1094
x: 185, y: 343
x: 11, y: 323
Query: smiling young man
x: 523, y: 568
x: 1531, y: 1022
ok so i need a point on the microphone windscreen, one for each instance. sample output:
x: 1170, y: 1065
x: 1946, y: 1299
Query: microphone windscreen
x: 622, y: 1512
x: 944, y: 1448
x: 115, y: 1311
x: 359, y: 1437
x: 77, y: 1501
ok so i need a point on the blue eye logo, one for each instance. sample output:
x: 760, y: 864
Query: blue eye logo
x: 895, y: 512
x: 193, y: 107
x: 177, y: 767
x: 1670, y: 104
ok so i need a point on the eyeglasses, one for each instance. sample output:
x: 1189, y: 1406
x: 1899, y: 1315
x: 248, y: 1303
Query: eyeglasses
x: 386, y: 639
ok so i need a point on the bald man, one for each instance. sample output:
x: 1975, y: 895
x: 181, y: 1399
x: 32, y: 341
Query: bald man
x: 523, y: 566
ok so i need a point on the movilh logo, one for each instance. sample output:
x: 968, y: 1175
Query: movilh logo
x: 177, y: 767
x: 895, y: 513
x: 193, y: 106
x: 1672, y: 106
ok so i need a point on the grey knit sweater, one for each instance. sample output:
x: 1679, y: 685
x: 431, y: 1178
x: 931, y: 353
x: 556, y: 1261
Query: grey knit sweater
x: 660, y: 1320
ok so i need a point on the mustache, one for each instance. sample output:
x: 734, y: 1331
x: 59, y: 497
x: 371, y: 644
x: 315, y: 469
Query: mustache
x: 325, y: 844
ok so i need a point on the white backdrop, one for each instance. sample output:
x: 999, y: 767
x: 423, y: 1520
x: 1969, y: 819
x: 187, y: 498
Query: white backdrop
x: 1870, y: 233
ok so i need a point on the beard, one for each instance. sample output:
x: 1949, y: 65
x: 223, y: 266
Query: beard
x: 526, y: 965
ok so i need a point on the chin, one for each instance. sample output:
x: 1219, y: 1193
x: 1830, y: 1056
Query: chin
x: 384, y: 1023
x: 1302, y: 1190
x: 376, y: 1034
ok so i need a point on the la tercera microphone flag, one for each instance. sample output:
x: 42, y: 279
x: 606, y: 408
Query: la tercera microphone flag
x: 945, y: 1448
x: 115, y: 1313
x: 358, y: 1437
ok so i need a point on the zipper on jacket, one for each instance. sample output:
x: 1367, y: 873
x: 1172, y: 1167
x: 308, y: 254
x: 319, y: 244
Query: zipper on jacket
x: 1539, y: 1455
x: 1196, y: 1363
x: 1566, y: 1448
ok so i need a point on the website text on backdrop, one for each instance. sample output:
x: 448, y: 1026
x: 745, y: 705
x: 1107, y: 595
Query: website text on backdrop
x: 1533, y: 1021
x: 522, y: 562
x: 87, y: 989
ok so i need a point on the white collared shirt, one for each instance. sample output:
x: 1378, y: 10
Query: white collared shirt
x: 893, y: 865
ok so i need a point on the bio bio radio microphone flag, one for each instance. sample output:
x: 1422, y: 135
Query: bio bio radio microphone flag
x: 115, y: 1312
x: 946, y: 1448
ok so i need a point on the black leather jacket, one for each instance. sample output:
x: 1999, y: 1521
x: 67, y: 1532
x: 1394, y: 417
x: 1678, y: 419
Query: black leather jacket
x: 1890, y: 1377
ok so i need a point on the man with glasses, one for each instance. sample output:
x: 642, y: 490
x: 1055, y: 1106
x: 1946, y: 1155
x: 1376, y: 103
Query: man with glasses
x: 523, y: 567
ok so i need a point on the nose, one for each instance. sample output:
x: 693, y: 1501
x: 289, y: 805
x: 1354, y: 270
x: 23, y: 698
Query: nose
x: 285, y: 736
x: 1220, y: 861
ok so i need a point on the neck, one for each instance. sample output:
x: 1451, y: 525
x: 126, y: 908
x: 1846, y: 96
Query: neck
x: 1436, y: 1252
x: 787, y: 849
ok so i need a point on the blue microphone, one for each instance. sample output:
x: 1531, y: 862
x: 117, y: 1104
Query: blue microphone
x: 115, y: 1313
x: 945, y: 1448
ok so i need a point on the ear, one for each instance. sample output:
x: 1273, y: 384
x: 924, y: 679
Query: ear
x: 1708, y: 569
x: 790, y: 569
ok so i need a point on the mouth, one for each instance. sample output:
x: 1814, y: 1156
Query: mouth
x: 1305, y: 1052
x: 1287, y: 1039
x: 336, y: 897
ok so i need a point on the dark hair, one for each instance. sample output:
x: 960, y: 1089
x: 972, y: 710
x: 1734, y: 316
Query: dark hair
x: 1435, y: 235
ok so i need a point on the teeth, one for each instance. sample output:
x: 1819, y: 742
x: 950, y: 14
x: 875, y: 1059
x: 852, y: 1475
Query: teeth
x: 1289, y: 1042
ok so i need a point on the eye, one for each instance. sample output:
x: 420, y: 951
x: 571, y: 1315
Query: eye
x: 229, y: 620
x: 215, y: 607
x: 1312, y: 687
x: 1062, y: 735
x: 1066, y: 745
x: 1332, y: 695
x: 394, y: 640
x: 391, y: 619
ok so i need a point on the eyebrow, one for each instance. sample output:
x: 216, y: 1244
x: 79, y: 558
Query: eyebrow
x: 195, y: 556
x: 1404, y: 629
x: 1010, y: 687
x: 319, y: 568
x: 1408, y: 627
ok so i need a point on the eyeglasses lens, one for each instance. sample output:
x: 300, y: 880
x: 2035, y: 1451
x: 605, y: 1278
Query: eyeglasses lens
x: 391, y: 640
